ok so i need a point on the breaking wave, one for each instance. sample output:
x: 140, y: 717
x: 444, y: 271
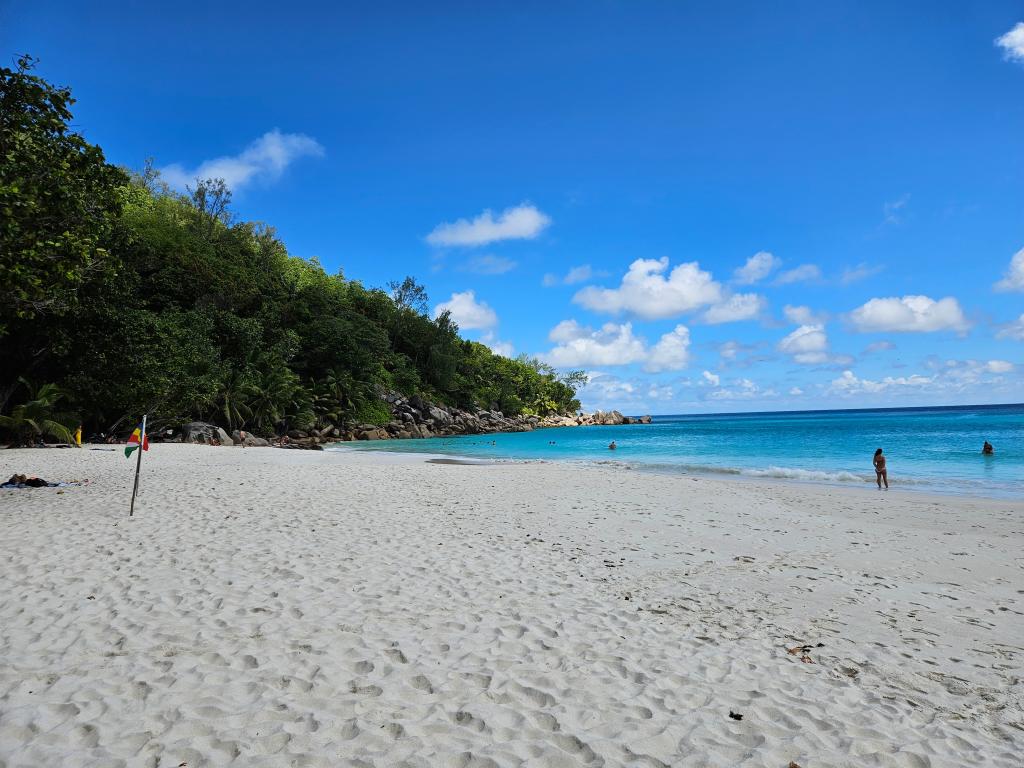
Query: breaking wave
x: 782, y: 473
x: 816, y: 475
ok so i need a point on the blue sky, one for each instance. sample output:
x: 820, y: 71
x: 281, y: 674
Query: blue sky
x: 747, y: 207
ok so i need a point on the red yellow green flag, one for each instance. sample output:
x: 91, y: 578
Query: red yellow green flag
x: 138, y: 438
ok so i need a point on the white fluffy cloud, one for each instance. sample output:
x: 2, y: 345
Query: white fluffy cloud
x: 467, y: 311
x: 948, y: 378
x: 757, y: 268
x: 964, y: 375
x: 646, y: 292
x: 910, y: 314
x: 1013, y: 280
x: 524, y: 222
x: 606, y: 391
x: 802, y: 274
x: 567, y: 330
x: 739, y: 306
x: 1012, y: 43
x: 1014, y: 330
x: 711, y: 378
x: 849, y: 384
x: 578, y: 345
x: 800, y: 315
x: 807, y: 344
x: 671, y: 353
x: 614, y: 344
x: 265, y: 159
x: 741, y: 389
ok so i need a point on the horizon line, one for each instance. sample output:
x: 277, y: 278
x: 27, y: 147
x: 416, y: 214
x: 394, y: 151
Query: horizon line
x: 845, y: 410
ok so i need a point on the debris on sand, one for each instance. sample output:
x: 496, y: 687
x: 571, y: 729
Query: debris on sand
x: 803, y: 651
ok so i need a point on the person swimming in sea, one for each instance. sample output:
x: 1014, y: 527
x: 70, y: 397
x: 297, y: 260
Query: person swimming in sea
x: 987, y: 449
x: 880, y: 473
x: 612, y: 446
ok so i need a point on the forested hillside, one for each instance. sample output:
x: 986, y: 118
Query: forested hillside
x: 119, y: 296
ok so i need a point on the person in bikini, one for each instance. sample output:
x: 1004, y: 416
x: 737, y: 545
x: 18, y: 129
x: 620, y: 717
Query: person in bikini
x: 880, y: 473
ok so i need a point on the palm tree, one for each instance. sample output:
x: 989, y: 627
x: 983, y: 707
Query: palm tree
x: 269, y: 396
x: 37, y: 417
x: 232, y: 401
x: 334, y: 396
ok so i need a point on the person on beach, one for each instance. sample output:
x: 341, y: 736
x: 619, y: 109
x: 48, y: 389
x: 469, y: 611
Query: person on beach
x: 987, y: 449
x: 880, y: 473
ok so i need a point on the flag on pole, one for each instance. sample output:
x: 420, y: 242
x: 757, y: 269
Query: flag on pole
x: 138, y: 438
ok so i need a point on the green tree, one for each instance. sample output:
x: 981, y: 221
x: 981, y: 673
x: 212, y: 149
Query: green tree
x: 408, y: 294
x: 58, y: 198
x: 232, y: 399
x: 273, y: 397
x: 575, y: 379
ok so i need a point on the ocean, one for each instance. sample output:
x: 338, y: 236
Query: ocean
x: 935, y: 449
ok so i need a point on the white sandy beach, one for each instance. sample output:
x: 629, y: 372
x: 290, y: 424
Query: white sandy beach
x: 292, y: 608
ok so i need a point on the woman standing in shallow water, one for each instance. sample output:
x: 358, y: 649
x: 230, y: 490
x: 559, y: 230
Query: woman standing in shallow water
x: 880, y: 473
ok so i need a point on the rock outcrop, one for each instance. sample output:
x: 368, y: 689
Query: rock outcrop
x: 411, y: 418
x: 248, y: 439
x: 199, y: 432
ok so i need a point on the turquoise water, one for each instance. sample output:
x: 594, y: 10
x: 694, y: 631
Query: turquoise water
x: 935, y: 449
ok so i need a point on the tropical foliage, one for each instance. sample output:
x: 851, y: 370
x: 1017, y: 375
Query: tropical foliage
x: 38, y: 416
x: 132, y: 298
x: 58, y: 197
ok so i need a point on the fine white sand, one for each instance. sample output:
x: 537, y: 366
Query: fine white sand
x: 291, y: 608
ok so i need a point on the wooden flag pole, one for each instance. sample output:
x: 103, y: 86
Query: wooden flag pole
x: 138, y: 465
